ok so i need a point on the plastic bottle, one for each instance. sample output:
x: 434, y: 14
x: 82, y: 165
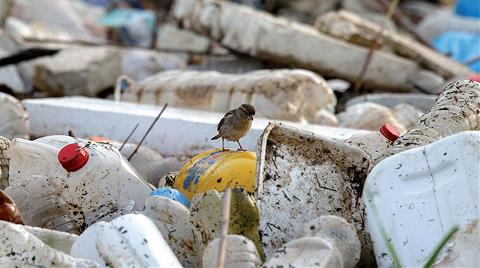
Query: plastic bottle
x: 240, y: 253
x: 413, y: 198
x: 457, y: 109
x: 369, y: 116
x: 376, y: 143
x: 131, y: 240
x: 65, y: 184
x: 329, y: 241
x: 175, y: 224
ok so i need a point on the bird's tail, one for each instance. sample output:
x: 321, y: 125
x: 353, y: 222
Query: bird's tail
x: 216, y: 137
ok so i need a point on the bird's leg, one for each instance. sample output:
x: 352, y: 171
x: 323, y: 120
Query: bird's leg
x: 241, y: 148
x: 223, y: 144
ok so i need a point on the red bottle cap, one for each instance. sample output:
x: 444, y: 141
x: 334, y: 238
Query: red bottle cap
x: 474, y: 77
x: 389, y: 132
x: 73, y: 157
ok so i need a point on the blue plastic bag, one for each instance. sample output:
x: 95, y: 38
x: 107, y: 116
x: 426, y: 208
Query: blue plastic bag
x: 173, y: 194
x: 460, y: 46
x: 468, y: 8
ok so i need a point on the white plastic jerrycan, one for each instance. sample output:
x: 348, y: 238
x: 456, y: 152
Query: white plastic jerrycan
x: 413, y: 198
x: 128, y: 241
x: 65, y: 184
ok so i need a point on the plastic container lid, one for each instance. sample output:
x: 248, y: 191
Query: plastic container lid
x: 389, y: 132
x: 72, y: 157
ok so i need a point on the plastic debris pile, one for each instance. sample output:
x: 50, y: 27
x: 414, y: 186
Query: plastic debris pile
x: 361, y: 130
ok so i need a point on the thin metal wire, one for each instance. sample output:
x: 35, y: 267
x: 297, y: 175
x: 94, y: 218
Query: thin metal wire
x: 128, y: 137
x: 148, y: 131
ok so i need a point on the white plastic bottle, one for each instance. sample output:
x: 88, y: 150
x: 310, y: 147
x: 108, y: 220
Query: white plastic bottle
x: 65, y: 184
x: 128, y: 241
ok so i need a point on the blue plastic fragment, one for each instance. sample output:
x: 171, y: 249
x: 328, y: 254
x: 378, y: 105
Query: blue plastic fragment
x: 460, y: 46
x: 171, y: 193
x: 468, y: 8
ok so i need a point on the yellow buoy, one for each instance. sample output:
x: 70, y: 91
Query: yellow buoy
x: 217, y: 170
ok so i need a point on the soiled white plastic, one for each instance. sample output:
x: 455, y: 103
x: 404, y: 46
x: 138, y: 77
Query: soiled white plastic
x: 457, y: 109
x: 407, y: 114
x: 146, y: 161
x: 49, y: 196
x: 301, y: 176
x: 175, y: 224
x: 58, y: 240
x: 463, y: 251
x: 329, y: 241
x: 294, y: 95
x: 240, y: 253
x: 419, y: 194
x: 13, y: 118
x: 129, y: 241
x: 369, y: 116
x: 20, y: 248
x: 374, y: 144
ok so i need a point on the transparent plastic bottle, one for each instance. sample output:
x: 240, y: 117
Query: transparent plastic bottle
x: 66, y: 184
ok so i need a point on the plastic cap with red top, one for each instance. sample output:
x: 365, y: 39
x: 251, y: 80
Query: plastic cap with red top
x: 474, y: 77
x: 73, y: 157
x: 389, y: 132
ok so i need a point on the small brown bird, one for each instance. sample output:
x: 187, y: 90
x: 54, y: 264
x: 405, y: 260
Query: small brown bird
x: 235, y: 124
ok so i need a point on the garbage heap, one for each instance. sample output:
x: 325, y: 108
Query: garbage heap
x: 364, y: 150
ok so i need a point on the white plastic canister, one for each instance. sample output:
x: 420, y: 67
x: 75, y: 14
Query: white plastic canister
x: 413, y: 198
x: 65, y: 184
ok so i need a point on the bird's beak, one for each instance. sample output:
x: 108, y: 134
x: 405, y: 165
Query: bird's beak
x: 250, y: 116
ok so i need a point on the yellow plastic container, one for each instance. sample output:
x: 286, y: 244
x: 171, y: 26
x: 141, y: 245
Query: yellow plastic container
x: 217, y: 170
